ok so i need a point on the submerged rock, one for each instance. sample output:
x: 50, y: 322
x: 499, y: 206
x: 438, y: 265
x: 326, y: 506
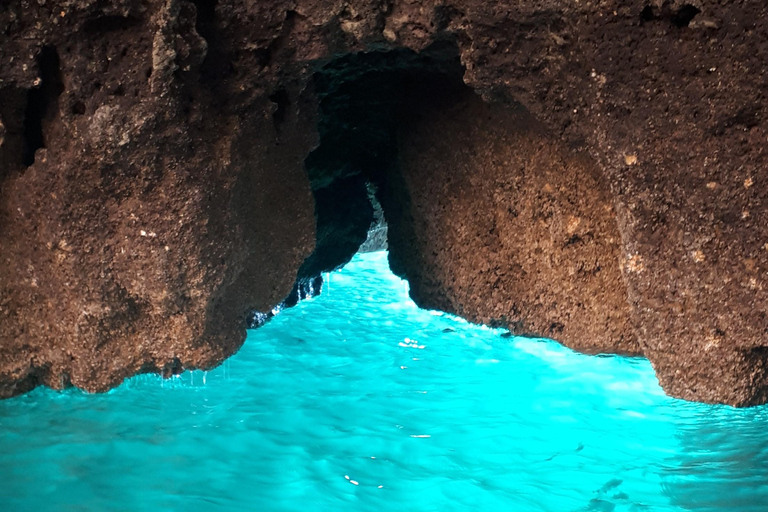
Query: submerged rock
x: 590, y: 172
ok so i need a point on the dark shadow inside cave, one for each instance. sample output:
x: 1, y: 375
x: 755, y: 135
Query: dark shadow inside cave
x: 365, y: 99
x: 41, y: 103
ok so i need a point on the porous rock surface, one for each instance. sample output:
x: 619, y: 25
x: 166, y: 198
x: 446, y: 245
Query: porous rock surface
x: 598, y: 175
x: 516, y: 231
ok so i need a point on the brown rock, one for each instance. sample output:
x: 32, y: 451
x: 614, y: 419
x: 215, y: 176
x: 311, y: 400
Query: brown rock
x: 516, y: 231
x: 129, y: 126
x: 135, y: 238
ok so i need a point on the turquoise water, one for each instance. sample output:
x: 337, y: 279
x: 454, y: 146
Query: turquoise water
x: 358, y: 400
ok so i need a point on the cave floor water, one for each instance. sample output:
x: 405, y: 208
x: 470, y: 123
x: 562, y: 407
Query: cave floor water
x: 358, y: 400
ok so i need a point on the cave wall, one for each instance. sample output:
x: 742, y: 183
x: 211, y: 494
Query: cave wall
x: 669, y: 99
x: 129, y: 126
x: 163, y: 201
x: 516, y: 232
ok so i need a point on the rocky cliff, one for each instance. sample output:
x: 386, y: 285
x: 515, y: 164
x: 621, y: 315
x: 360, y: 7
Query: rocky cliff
x: 589, y: 171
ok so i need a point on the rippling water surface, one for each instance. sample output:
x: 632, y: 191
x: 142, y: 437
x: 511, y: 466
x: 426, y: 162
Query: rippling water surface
x: 358, y: 400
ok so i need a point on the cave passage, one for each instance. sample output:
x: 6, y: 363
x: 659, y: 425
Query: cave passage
x: 359, y: 400
x: 366, y: 99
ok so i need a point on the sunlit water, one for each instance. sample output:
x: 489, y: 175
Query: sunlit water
x: 358, y: 400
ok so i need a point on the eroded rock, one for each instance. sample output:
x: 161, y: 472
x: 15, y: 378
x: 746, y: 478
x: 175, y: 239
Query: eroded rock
x: 154, y: 216
x: 517, y: 231
x: 167, y: 196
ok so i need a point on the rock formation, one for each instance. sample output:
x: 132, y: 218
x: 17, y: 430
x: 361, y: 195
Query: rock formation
x: 589, y: 171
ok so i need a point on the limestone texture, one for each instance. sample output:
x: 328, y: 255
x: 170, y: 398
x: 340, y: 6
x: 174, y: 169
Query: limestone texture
x: 590, y: 171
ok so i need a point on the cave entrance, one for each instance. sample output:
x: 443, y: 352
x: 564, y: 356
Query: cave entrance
x: 490, y: 216
x: 366, y: 100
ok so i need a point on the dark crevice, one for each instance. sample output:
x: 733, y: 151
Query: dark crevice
x: 262, y: 56
x: 36, y: 376
x: 365, y: 99
x: 556, y: 328
x: 78, y: 108
x: 216, y: 65
x: 680, y: 17
x: 746, y: 117
x: 13, y: 101
x: 206, y: 17
x: 647, y: 14
x: 684, y: 15
x: 290, y: 19
x: 171, y: 368
x: 573, y: 240
x: 444, y: 15
x: 41, y: 103
x: 756, y: 364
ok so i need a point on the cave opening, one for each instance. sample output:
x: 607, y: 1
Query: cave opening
x: 365, y: 100
x: 489, y: 216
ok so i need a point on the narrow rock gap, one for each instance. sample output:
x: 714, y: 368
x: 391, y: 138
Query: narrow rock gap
x: 206, y: 18
x: 216, y: 64
x: 364, y: 100
x: 41, y: 103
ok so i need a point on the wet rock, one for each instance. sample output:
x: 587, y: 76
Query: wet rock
x: 154, y: 188
x: 303, y: 289
x: 517, y: 231
x: 377, y: 232
x: 154, y: 216
x: 376, y: 241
